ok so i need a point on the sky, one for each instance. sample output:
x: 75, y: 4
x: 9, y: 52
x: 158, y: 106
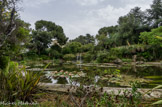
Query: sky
x: 79, y: 17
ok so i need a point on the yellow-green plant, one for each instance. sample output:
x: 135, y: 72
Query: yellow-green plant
x: 160, y: 101
x: 18, y: 84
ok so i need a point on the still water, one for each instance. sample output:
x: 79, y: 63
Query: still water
x: 147, y: 76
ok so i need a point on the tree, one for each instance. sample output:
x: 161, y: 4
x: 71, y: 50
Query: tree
x: 103, y: 42
x: 72, y: 48
x: 84, y: 39
x: 106, y: 35
x: 44, y: 34
x: 153, y: 39
x: 7, y: 19
x: 40, y: 41
x: 155, y: 14
x: 88, y: 47
x: 14, y: 33
x: 131, y: 25
x: 55, y: 30
x: 108, y: 30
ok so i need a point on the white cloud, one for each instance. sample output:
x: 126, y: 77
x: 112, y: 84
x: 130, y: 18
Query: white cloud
x: 77, y: 28
x: 35, y: 3
x: 89, y: 21
x: 136, y: 1
x: 88, y: 2
x: 98, y: 18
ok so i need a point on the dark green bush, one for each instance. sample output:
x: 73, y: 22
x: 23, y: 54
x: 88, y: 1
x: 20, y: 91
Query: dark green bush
x: 88, y: 57
x: 69, y: 57
x: 4, y: 60
x: 105, y: 57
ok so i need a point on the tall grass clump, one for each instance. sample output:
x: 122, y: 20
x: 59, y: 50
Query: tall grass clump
x: 18, y: 84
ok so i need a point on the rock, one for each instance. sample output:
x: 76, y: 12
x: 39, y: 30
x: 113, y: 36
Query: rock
x: 141, y: 62
x: 125, y: 63
x: 134, y: 58
x: 118, y: 61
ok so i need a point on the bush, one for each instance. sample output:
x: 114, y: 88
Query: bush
x: 128, y: 51
x: 104, y: 57
x: 69, y: 57
x: 126, y: 60
x: 18, y: 84
x: 55, y: 54
x: 31, y: 55
x: 88, y: 57
x: 4, y: 60
x: 44, y: 57
x: 146, y: 55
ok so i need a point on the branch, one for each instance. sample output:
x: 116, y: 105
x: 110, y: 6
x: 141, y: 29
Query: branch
x: 7, y: 36
x: 11, y: 26
x: 72, y: 98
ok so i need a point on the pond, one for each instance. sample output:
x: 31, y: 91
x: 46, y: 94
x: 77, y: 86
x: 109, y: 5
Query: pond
x: 105, y: 76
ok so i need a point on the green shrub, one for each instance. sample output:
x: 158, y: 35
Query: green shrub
x: 31, y: 55
x: 87, y: 57
x: 69, y: 57
x: 146, y: 55
x: 55, y: 54
x: 126, y: 60
x: 104, y: 57
x: 18, y: 84
x: 4, y: 60
x: 44, y: 57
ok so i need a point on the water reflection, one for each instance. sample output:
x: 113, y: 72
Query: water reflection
x: 60, y: 80
x: 94, y: 72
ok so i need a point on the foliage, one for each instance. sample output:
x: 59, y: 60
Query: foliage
x: 152, y: 38
x: 14, y: 33
x: 72, y: 48
x: 84, y: 39
x: 55, y: 51
x: 126, y: 60
x: 91, y: 95
x: 4, y: 62
x: 108, y: 30
x: 69, y: 57
x: 7, y: 15
x: 160, y: 101
x: 104, y: 57
x: 105, y: 36
x: 131, y: 25
x: 155, y: 14
x: 146, y: 55
x: 56, y: 31
x: 18, y: 84
x: 103, y: 42
x: 88, y: 47
x: 45, y: 33
x: 128, y: 51
x: 88, y: 57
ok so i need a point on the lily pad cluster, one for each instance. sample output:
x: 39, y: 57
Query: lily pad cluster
x: 63, y: 73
